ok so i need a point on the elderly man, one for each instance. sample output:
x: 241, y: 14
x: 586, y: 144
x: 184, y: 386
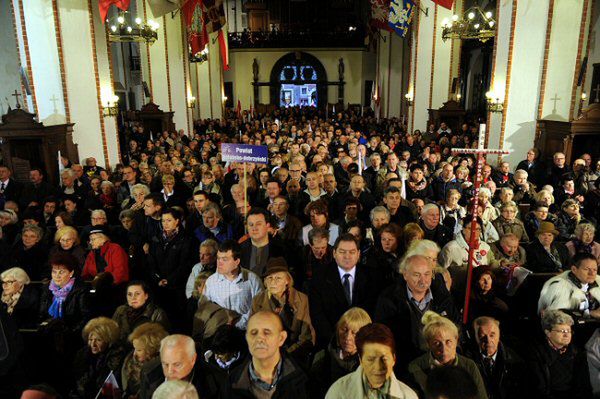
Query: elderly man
x: 508, y: 252
x: 130, y: 179
x: 524, y: 191
x: 232, y: 286
x: 501, y: 368
x: 213, y: 226
x: 402, y: 305
x: 268, y: 373
x: 208, y: 263
x: 179, y: 362
x: 502, y: 175
x: 575, y: 291
x: 430, y: 223
x: 446, y: 181
x: 557, y: 170
x: 288, y: 226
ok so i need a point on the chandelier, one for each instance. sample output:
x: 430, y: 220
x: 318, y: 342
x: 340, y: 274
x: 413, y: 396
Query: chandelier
x: 136, y: 30
x: 200, y: 57
x: 475, y: 24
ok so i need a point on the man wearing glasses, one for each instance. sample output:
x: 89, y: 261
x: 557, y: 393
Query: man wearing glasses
x: 575, y: 291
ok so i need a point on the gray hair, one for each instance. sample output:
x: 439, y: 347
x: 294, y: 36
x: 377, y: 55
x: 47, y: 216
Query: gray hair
x: 175, y: 389
x: 521, y: 172
x: 421, y: 247
x: 127, y: 213
x: 210, y: 244
x: 12, y: 215
x: 374, y: 155
x: 379, y: 209
x: 174, y: 340
x: 485, y: 191
x: 553, y: 317
x: 429, y: 207
x: 35, y: 229
x: 107, y: 183
x: 484, y: 321
x: 98, y: 212
x: 17, y: 274
x: 140, y: 187
x: 507, y: 190
x: 409, y: 260
x: 68, y: 171
x: 583, y: 227
x: 212, y: 207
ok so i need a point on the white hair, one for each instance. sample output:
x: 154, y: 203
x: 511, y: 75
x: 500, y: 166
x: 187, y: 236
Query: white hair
x: 421, y: 247
x: 521, y: 172
x: 428, y: 207
x: 176, y: 340
x: 485, y: 191
x: 98, y: 212
x: 379, y: 209
x: 17, y: 274
x: 176, y: 389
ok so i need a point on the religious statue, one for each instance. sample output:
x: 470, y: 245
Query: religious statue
x: 255, y: 70
x: 341, y: 69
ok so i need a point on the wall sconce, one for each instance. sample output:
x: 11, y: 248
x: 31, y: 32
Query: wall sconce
x: 493, y: 102
x: 583, y: 96
x: 409, y: 99
x: 111, y: 107
x: 224, y: 98
x: 191, y: 102
x: 458, y: 97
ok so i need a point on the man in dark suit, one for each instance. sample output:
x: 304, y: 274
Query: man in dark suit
x: 10, y: 189
x: 340, y: 286
x: 501, y: 368
x: 34, y: 192
x: 402, y: 305
x: 178, y: 361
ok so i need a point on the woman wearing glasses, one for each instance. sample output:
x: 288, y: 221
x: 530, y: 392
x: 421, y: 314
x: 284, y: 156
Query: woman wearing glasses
x: 558, y: 369
x: 20, y: 300
x: 291, y: 305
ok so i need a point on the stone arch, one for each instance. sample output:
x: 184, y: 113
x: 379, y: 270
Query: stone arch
x: 297, y: 60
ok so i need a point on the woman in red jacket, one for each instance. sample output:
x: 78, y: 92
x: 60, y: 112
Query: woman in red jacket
x: 105, y: 257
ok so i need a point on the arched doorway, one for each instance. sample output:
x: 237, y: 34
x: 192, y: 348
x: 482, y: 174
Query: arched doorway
x: 298, y: 79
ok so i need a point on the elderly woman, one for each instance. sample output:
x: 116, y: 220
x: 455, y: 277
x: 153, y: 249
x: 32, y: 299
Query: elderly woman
x: 106, y: 260
x: 20, y: 299
x: 507, y: 196
x: 451, y: 213
x: 8, y: 226
x: 102, y: 355
x: 136, y: 199
x: 108, y: 199
x: 375, y: 377
x: 546, y: 197
x: 145, y: 340
x: 139, y: 310
x: 484, y: 298
x: 584, y: 241
x: 281, y: 297
x: 28, y: 253
x: 383, y: 258
x: 507, y: 222
x: 544, y: 254
x: 489, y: 213
x: 66, y: 240
x: 341, y: 356
x: 539, y: 213
x: 318, y: 213
x: 441, y: 337
x: 558, y: 369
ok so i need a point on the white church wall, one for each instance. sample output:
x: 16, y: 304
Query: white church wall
x: 177, y: 75
x: 9, y: 60
x: 241, y: 72
x: 441, y: 68
x: 562, y: 59
x: 422, y: 72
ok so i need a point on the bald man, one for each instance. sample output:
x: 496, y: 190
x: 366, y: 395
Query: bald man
x: 269, y: 373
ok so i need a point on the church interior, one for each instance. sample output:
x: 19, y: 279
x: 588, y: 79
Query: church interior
x: 108, y: 86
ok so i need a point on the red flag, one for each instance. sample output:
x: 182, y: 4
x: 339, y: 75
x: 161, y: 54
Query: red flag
x: 194, y: 19
x: 104, y: 5
x: 224, y: 46
x: 444, y: 3
x: 110, y: 388
x: 380, y: 11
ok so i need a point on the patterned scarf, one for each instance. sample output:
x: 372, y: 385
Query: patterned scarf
x: 580, y: 246
x: 11, y: 300
x: 59, y: 294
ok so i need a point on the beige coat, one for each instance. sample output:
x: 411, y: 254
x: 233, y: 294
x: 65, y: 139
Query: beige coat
x: 351, y: 387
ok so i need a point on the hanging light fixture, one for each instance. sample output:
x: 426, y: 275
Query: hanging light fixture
x: 200, y: 57
x: 475, y: 24
x: 123, y: 29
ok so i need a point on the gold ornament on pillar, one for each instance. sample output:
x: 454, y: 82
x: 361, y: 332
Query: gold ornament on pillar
x: 494, y: 102
x: 191, y: 102
x: 474, y: 24
x: 110, y: 106
x: 125, y: 28
x: 409, y: 99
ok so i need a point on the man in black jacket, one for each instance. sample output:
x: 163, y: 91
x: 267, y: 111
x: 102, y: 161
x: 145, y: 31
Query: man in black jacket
x: 340, y: 286
x: 260, y: 246
x: 178, y: 361
x: 268, y: 373
x: 501, y: 368
x: 402, y: 305
x: 430, y: 223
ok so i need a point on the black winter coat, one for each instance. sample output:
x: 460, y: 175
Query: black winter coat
x: 25, y: 312
x: 172, y: 260
x: 76, y: 309
x: 539, y: 261
x: 32, y: 260
x: 94, y: 369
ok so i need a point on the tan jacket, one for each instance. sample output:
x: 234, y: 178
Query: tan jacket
x: 301, y: 334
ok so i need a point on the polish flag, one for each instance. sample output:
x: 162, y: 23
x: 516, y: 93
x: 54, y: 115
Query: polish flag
x: 224, y: 46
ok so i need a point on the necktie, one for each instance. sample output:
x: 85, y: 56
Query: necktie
x: 489, y: 365
x: 2, y: 187
x: 346, y: 284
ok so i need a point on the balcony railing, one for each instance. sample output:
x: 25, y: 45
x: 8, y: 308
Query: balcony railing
x: 297, y: 39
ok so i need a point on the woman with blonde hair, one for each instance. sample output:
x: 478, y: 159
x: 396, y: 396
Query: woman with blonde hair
x: 145, y: 340
x: 341, y: 355
x: 412, y: 232
x: 66, y: 240
x: 441, y: 338
x: 102, y: 355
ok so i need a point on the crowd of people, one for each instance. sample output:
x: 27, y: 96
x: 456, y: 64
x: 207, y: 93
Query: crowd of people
x: 337, y: 270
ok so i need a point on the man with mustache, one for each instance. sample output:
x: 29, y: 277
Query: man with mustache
x: 402, y: 305
x: 269, y: 372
